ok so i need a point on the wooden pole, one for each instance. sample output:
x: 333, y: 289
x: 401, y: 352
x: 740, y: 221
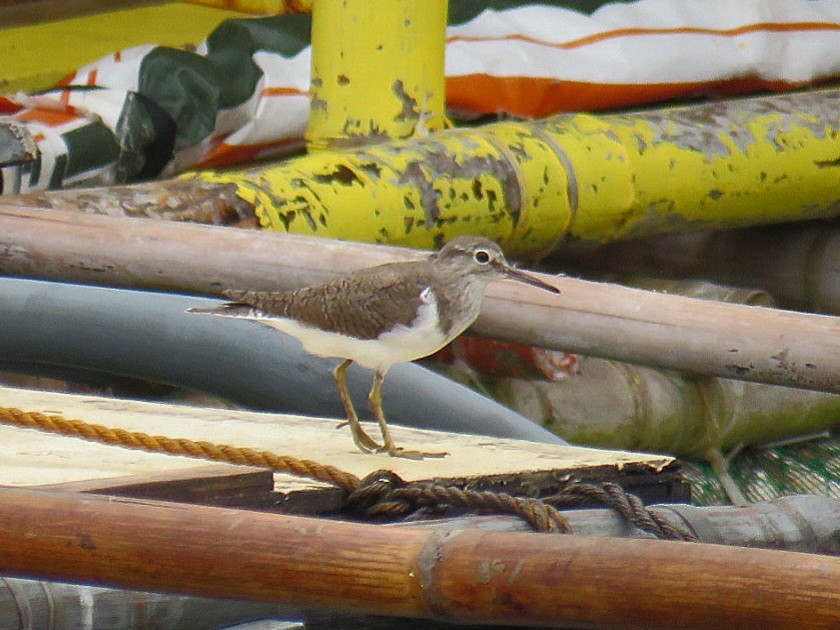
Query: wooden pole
x: 466, y: 575
x: 729, y: 340
x: 799, y: 264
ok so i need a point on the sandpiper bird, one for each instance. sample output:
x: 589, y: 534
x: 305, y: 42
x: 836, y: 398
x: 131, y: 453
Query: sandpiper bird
x: 383, y: 315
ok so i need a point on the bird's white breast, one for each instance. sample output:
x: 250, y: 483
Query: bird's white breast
x: 398, y: 345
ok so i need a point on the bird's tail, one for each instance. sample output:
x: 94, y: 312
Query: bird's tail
x: 235, y: 308
x: 228, y: 309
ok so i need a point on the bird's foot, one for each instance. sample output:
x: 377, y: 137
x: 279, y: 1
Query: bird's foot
x: 397, y: 451
x: 362, y: 440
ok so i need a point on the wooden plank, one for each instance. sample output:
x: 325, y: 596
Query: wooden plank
x: 32, y: 458
x: 214, y: 484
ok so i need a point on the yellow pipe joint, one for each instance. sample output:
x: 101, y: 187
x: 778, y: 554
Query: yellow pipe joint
x: 597, y: 165
x: 418, y: 193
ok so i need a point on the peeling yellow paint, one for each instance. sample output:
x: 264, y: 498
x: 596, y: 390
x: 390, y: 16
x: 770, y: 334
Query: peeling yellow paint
x: 597, y: 165
x: 578, y: 176
x: 732, y: 163
x: 506, y: 184
x: 377, y: 71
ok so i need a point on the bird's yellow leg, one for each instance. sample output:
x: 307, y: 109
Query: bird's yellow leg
x: 375, y: 400
x: 365, y: 443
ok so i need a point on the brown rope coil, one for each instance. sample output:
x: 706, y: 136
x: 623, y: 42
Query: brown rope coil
x: 628, y: 506
x: 383, y: 494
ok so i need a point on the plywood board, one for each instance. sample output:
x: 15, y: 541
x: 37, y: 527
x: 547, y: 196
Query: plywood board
x: 33, y: 458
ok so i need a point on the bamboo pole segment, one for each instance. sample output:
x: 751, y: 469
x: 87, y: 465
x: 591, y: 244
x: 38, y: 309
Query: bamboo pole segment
x: 470, y: 576
x: 171, y: 200
x: 682, y: 414
x: 579, y: 177
x: 377, y: 71
x: 730, y: 340
x: 804, y: 523
x: 750, y: 343
x: 799, y: 264
x: 34, y: 605
x: 797, y: 523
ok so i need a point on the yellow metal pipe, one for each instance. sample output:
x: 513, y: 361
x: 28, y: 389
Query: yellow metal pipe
x: 377, y: 71
x: 570, y: 177
x: 418, y: 193
x: 732, y: 163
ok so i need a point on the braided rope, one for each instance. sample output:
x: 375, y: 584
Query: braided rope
x: 628, y: 506
x: 383, y: 494
x: 178, y: 446
x: 542, y: 516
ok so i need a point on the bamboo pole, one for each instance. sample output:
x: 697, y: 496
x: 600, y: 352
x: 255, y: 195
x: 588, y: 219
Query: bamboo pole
x: 683, y: 415
x: 797, y: 523
x: 807, y: 523
x: 34, y: 605
x: 470, y: 576
x: 798, y: 264
x: 170, y: 199
x: 731, y: 340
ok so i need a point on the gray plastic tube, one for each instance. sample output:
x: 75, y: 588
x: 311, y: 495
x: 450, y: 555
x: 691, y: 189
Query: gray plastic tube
x: 50, y: 328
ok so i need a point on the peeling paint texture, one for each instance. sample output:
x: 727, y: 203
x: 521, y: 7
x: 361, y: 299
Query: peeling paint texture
x: 377, y: 72
x: 570, y: 177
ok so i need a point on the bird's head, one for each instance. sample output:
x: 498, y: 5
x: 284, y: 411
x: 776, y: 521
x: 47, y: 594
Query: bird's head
x: 482, y: 259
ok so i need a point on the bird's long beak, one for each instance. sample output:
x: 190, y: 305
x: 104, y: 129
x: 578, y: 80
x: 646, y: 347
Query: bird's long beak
x: 521, y: 276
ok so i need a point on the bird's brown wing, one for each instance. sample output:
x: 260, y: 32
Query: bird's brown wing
x: 363, y: 304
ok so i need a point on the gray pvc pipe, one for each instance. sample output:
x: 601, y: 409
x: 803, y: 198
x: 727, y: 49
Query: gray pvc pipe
x: 50, y: 327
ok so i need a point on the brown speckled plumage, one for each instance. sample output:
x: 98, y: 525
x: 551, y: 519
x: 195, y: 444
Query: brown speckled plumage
x: 363, y: 305
x: 368, y: 302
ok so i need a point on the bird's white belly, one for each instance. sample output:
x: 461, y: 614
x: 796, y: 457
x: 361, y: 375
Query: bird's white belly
x: 398, y: 345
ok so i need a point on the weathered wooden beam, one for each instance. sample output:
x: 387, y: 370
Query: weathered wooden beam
x: 730, y: 340
x: 467, y: 576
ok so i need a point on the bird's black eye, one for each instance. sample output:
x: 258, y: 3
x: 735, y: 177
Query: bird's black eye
x: 481, y: 256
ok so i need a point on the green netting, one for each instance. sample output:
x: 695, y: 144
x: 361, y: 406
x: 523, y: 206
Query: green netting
x: 804, y: 467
